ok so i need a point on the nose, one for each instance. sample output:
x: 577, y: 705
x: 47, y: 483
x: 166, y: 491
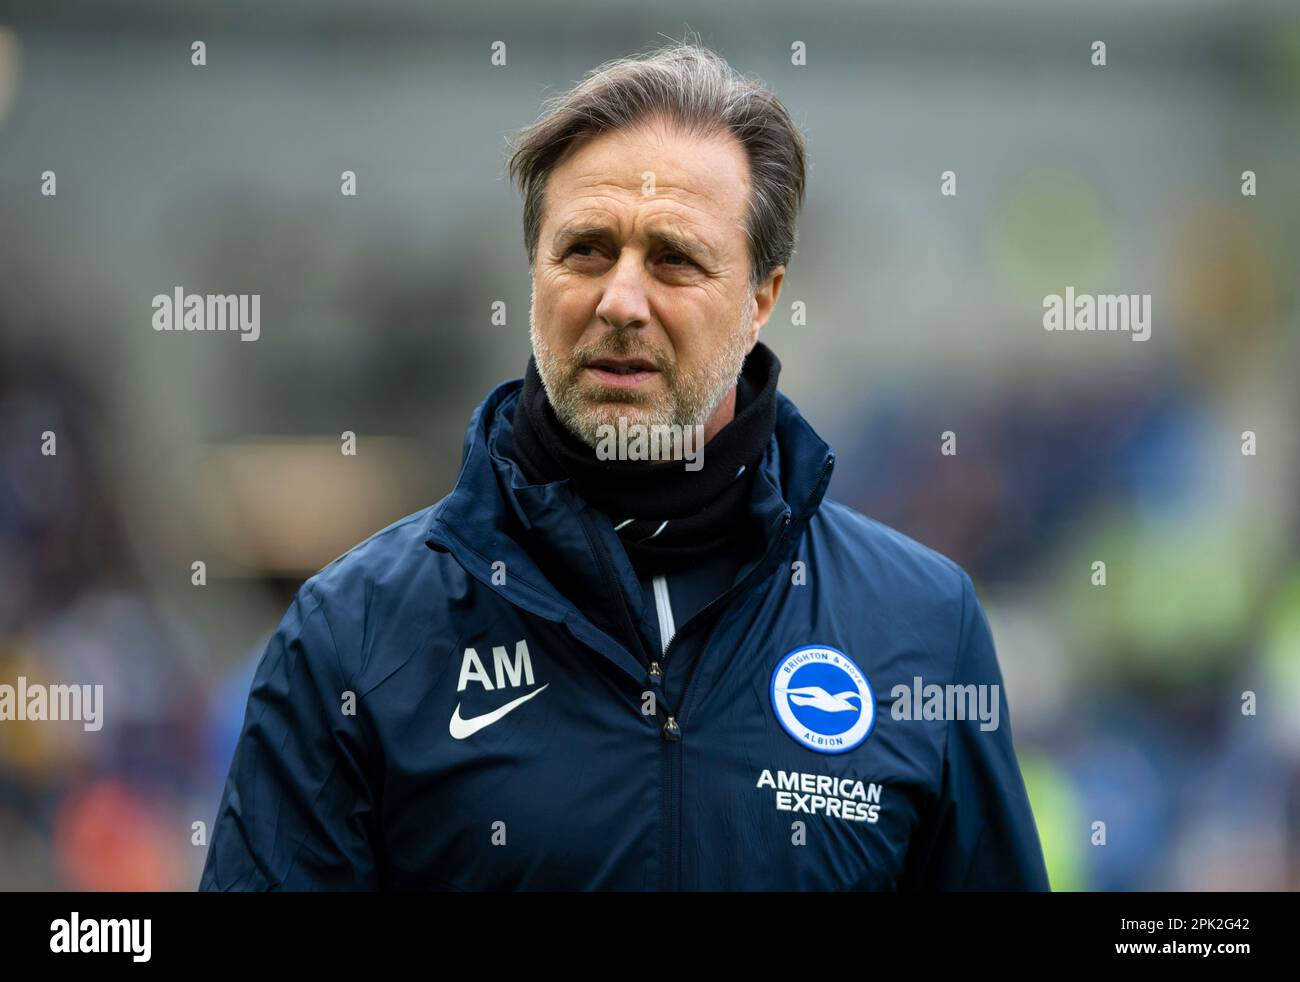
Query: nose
x: 624, y: 303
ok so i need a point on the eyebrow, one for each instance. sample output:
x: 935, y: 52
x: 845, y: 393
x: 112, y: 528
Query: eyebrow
x: 570, y: 234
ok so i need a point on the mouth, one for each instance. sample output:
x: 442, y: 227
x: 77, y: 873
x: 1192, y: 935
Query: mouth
x: 621, y: 372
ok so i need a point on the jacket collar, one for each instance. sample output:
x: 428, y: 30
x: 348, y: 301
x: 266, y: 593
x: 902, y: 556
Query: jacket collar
x: 509, y: 534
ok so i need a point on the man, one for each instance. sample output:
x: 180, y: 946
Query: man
x: 577, y: 672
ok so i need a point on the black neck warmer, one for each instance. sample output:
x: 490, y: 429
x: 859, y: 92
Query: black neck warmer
x: 666, y: 516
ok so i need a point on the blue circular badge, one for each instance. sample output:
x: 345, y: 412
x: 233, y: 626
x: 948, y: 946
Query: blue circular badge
x: 822, y: 699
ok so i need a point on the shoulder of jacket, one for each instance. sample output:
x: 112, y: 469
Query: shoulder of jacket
x: 386, y: 569
x: 383, y: 595
x: 887, y: 550
x: 390, y: 544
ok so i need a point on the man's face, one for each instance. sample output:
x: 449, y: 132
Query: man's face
x: 641, y: 303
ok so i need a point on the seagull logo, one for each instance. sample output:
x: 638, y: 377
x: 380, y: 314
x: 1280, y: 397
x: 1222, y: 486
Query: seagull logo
x: 822, y: 699
x: 818, y: 698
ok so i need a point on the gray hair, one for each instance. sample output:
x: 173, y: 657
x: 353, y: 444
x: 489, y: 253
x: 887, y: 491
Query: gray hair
x: 699, y: 91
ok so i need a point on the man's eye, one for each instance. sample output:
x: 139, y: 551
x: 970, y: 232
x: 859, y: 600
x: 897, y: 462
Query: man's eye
x: 685, y: 261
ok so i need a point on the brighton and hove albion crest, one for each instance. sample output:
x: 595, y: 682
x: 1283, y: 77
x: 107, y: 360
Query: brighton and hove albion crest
x: 822, y: 699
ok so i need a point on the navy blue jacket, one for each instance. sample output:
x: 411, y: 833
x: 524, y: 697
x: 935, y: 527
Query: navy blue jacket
x: 433, y: 712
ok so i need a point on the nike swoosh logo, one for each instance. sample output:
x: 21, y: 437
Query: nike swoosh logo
x: 462, y: 728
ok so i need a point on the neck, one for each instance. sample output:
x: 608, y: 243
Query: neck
x: 661, y: 511
x: 723, y: 415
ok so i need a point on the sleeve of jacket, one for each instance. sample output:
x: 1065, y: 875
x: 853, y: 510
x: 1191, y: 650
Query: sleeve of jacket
x: 979, y: 833
x: 297, y: 809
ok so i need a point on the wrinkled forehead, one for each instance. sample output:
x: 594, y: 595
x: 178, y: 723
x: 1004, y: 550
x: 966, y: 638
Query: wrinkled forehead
x: 704, y: 178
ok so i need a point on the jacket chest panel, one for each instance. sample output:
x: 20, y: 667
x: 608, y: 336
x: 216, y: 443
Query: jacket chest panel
x: 530, y: 767
x: 552, y: 775
x: 780, y: 789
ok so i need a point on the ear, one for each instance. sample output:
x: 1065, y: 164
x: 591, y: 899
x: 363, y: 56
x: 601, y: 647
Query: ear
x: 765, y: 296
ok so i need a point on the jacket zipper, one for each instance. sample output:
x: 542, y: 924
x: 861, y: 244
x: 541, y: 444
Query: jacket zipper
x: 671, y: 732
x: 664, y: 608
x: 673, y: 729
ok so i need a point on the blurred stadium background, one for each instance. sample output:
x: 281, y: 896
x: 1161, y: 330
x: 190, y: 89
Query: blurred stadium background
x: 923, y: 316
